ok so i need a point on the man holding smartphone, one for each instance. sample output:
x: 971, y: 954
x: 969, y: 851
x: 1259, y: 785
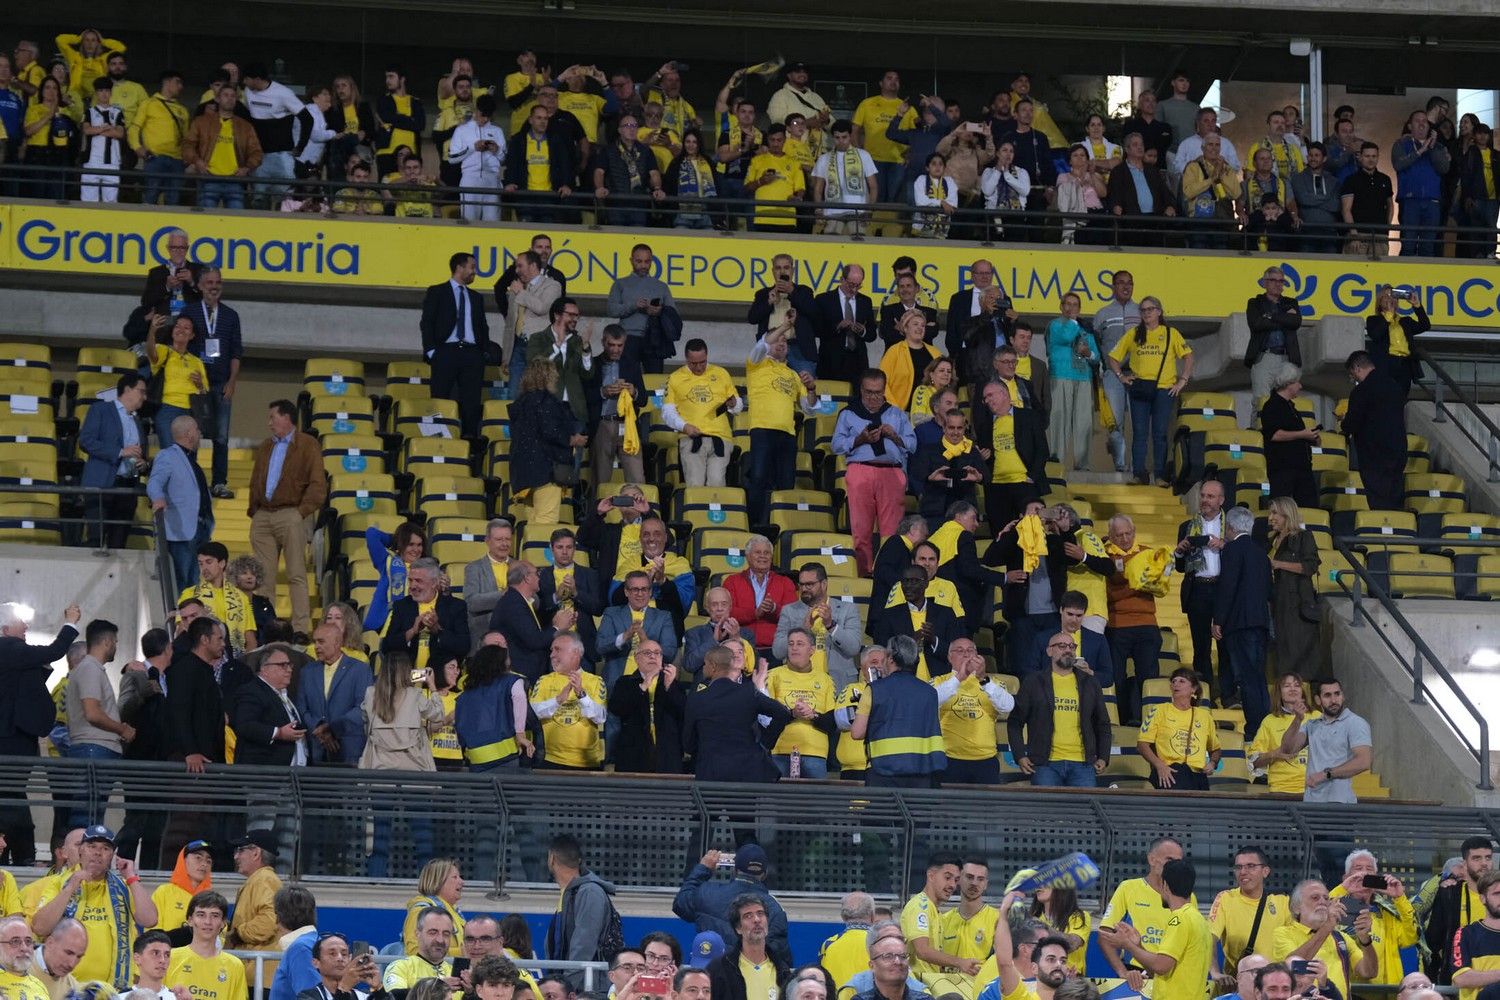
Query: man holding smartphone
x: 1311, y: 936
x: 1393, y: 922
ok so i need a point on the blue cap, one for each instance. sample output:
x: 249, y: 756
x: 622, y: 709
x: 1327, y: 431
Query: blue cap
x: 198, y: 846
x: 707, y: 946
x: 751, y: 859
x: 99, y: 832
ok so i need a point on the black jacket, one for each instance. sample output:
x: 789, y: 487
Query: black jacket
x: 635, y: 750
x: 720, y: 733
x: 934, y: 497
x: 834, y: 361
x: 27, y: 709
x: 972, y: 579
x: 1031, y: 440
x: 1449, y: 916
x: 1265, y: 317
x: 759, y: 316
x: 893, y: 556
x: 195, y: 710
x: 1378, y: 333
x: 971, y: 339
x: 1007, y: 552
x: 562, y: 156
x: 365, y: 118
x: 390, y: 120
x: 897, y: 621
x: 892, y: 311
x: 1121, y: 191
x: 593, y: 386
x: 1243, y: 598
x: 1029, y: 728
x: 540, y: 426
x: 255, y: 713
x: 528, y: 637
x: 1376, y: 420
x: 440, y: 314
x: 451, y: 640
x: 155, y: 293
x: 602, y: 542
x: 728, y: 983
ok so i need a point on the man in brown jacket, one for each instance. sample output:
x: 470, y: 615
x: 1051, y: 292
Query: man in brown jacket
x: 222, y: 146
x: 287, y: 488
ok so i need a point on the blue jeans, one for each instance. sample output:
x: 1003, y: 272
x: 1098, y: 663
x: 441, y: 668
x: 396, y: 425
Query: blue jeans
x: 164, y: 180
x: 420, y: 830
x: 89, y: 751
x: 274, y: 166
x: 1150, y: 417
x: 221, y: 194
x: 164, y: 416
x: 1065, y: 774
x: 772, y: 465
x: 1020, y: 641
x: 812, y: 767
x: 185, y: 554
x: 1423, y: 213
x: 222, y: 409
x: 517, y: 368
x: 890, y: 178
x: 1247, y: 663
x: 692, y: 220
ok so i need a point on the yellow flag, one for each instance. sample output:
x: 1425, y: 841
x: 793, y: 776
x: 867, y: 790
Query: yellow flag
x: 632, y: 443
x: 765, y: 70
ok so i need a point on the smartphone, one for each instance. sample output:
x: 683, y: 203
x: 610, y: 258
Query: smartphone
x: 726, y: 860
x: 459, y: 965
x: 359, y: 948
x: 1299, y: 966
x: 418, y: 676
x: 1198, y: 541
x: 622, y: 501
x: 1373, y: 882
x: 656, y: 302
x: 653, y: 985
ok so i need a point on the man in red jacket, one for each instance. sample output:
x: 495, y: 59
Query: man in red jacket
x: 758, y: 593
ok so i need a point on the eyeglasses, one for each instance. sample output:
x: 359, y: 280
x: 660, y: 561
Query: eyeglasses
x: 637, y: 590
x: 275, y: 663
x: 481, y: 938
x: 1059, y: 645
x: 894, y: 956
x: 19, y: 942
x: 632, y: 966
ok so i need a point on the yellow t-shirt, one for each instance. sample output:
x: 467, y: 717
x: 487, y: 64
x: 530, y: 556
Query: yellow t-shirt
x: 586, y: 108
x: 972, y: 938
x: 538, y: 162
x: 223, y: 162
x: 1188, y: 940
x: 771, y: 391
x: 1136, y: 901
x: 1008, y: 468
x: 1181, y: 736
x: 42, y: 137
x: 1232, y: 916
x: 631, y: 667
x: 570, y: 738
x: 424, y: 639
x: 845, y: 955
x: 815, y: 687
x: 10, y: 896
x: 946, y: 540
x: 789, y: 182
x: 16, y: 987
x: 445, y: 737
x: 171, y: 906
x: 873, y: 115
x: 760, y: 980
x: 677, y: 114
x: 696, y: 397
x: 514, y: 84
x: 1067, y: 721
x: 34, y: 892
x: 968, y: 721
x: 920, y: 919
x: 851, y: 756
x: 1389, y: 933
x: 661, y: 153
x: 1288, y: 776
x: 219, y: 978
x: 1293, y: 935
x: 940, y: 590
x: 1146, y: 359
x: 401, y: 136
x: 1079, y: 925
x: 176, y: 386
x: 97, y: 917
x: 800, y: 150
x: 628, y: 556
x: 1489, y: 175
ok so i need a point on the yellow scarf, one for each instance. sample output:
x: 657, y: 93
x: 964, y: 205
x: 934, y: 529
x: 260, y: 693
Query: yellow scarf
x: 632, y: 443
x: 952, y: 451
x: 1399, y: 347
x: 1032, y: 538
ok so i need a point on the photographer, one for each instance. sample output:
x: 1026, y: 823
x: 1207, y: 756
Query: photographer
x: 1310, y: 938
x: 1389, y: 336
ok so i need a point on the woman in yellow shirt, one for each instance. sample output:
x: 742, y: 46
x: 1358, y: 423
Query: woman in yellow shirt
x: 1155, y: 363
x: 938, y: 375
x: 1285, y: 773
x: 1058, y: 908
x: 903, y: 359
x: 440, y: 885
x: 446, y: 753
x: 87, y: 54
x: 1179, y: 739
x: 182, y: 373
x: 1104, y: 155
x: 51, y: 140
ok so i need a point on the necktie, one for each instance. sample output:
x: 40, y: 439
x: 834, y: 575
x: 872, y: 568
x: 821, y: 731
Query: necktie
x: 291, y: 711
x: 849, y: 310
x: 463, y: 308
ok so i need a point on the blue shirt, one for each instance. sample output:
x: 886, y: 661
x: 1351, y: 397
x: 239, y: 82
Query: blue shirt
x: 279, y: 447
x: 295, y: 973
x: 12, y: 113
x: 129, y: 435
x: 1062, y: 360
x: 1142, y: 190
x: 888, y: 452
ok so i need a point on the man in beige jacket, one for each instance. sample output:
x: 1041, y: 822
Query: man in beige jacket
x: 531, y: 296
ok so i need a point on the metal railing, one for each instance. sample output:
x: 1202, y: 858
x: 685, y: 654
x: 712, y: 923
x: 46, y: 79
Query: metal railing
x: 539, y: 965
x: 646, y: 831
x: 1422, y: 662
x: 1442, y: 388
x: 974, y: 224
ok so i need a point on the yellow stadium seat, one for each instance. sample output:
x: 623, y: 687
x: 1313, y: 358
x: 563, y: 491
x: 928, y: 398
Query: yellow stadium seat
x: 362, y: 493
x: 1158, y: 690
x: 107, y: 360
x: 1343, y: 491
x: 27, y: 430
x: 817, y: 433
x: 29, y: 531
x: 420, y: 417
x: 802, y: 510
x: 710, y: 507
x: 334, y: 415
x: 1252, y: 490
x: 1433, y: 493
x: 15, y: 472
x: 1205, y: 411
x: 1418, y: 455
x: 1306, y: 410
x: 834, y: 551
x: 832, y: 395
x: 353, y: 453
x: 856, y: 590
x: 494, y: 420
x: 1333, y: 567
x: 1233, y: 449
x: 1385, y: 530
x: 1232, y: 774
x: 26, y: 381
x: 1487, y: 583
x: 407, y: 380
x: 25, y: 355
x: 1331, y: 453
x: 30, y: 404
x: 351, y: 532
x: 1458, y: 529
x: 333, y: 377
x: 1316, y: 520
x: 1415, y: 574
x: 456, y: 539
x: 435, y: 455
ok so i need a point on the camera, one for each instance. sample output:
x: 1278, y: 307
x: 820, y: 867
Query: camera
x: 622, y: 501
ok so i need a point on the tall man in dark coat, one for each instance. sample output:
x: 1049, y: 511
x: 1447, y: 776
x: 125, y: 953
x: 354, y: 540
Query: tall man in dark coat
x: 845, y: 320
x: 456, y: 339
x: 1375, y: 424
x: 719, y: 728
x: 444, y: 630
x: 1242, y: 614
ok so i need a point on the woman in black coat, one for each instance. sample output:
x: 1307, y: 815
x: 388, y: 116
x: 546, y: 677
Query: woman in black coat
x: 1396, y: 360
x: 543, y: 434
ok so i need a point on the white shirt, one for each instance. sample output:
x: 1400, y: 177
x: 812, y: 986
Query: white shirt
x: 1014, y: 178
x: 318, y: 137
x: 276, y: 101
x: 1213, y: 529
x: 477, y: 164
x: 1002, y: 699
x: 841, y: 188
x: 466, y: 334
x: 299, y: 754
x: 1192, y: 147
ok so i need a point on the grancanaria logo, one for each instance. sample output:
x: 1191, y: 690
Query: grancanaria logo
x: 1295, y: 288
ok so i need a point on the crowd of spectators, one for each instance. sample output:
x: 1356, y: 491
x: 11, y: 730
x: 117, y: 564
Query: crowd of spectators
x: 547, y: 146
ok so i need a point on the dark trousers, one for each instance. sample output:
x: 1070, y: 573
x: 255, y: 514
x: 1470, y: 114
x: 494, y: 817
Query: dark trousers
x: 1384, y: 486
x: 15, y: 819
x: 971, y: 772
x: 1247, y: 665
x: 1295, y: 483
x: 772, y: 466
x: 1004, y: 502
x: 1184, y: 779
x: 1140, y: 645
x: 111, y: 507
x: 1199, y: 606
x: 458, y: 374
x: 875, y: 780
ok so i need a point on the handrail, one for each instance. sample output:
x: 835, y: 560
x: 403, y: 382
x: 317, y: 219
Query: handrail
x: 1442, y: 413
x: 166, y: 572
x: 1422, y: 654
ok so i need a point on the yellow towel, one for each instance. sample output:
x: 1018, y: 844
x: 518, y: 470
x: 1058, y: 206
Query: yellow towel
x: 632, y: 443
x: 1106, y: 412
x: 1033, y: 541
x: 1149, y: 571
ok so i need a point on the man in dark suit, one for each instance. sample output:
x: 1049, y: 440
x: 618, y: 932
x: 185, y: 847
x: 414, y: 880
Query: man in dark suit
x: 1376, y: 424
x: 177, y: 278
x: 1004, y: 501
x: 1242, y: 614
x: 332, y: 709
x: 111, y: 439
x: 979, y: 320
x: 567, y: 584
x: 442, y: 627
x: 973, y: 580
x: 541, y: 245
x: 906, y: 300
x: 772, y: 303
x: 1090, y: 647
x: 844, y: 318
x: 939, y: 627
x: 613, y: 373
x: 456, y: 340
x: 719, y: 727
x: 946, y: 471
x: 1274, y: 320
x: 517, y: 618
x: 649, y: 706
x: 194, y: 727
x: 892, y: 559
x: 26, y: 712
x: 267, y: 727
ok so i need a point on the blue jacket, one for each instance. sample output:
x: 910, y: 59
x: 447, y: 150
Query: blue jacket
x: 295, y: 973
x: 1095, y: 652
x: 1243, y: 598
x: 484, y: 723
x: 616, y: 619
x: 1419, y: 176
x: 101, y: 437
x: 704, y: 902
x: 340, y: 708
x: 904, y: 736
x: 226, y: 332
x: 172, y: 479
x: 391, y: 586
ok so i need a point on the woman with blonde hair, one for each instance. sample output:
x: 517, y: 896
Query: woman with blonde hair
x: 1286, y: 773
x: 345, y: 617
x: 907, y: 356
x: 440, y: 885
x: 397, y: 715
x: 936, y: 376
x: 1295, y: 614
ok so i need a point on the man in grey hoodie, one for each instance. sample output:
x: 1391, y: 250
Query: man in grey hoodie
x: 583, y: 921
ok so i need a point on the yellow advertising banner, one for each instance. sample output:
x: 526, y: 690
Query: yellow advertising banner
x: 721, y: 268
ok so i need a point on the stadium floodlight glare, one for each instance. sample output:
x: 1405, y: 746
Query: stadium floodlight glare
x: 1485, y: 658
x: 25, y: 612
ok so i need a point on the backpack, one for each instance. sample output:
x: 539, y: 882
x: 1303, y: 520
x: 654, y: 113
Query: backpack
x: 612, y: 938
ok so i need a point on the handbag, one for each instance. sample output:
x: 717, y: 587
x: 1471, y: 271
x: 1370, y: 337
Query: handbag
x: 1144, y: 390
x: 201, y: 406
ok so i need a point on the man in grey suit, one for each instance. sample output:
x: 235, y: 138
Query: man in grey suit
x: 620, y: 632
x: 481, y: 590
x: 837, y: 631
x: 178, y: 487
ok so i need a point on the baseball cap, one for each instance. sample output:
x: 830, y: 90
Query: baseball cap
x: 264, y: 839
x: 751, y: 859
x: 707, y: 946
x: 99, y: 832
x: 795, y: 67
x: 197, y: 847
